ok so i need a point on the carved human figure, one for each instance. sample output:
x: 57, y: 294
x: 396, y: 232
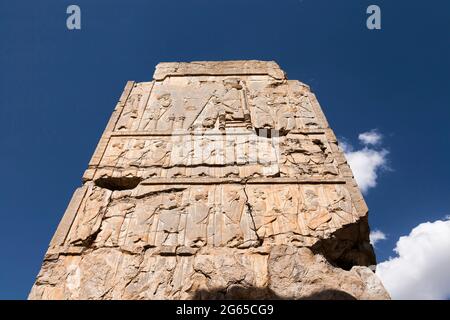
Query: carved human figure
x: 197, y: 219
x: 231, y: 99
x: 114, y: 153
x: 153, y: 153
x: 340, y: 205
x: 305, y: 110
x: 301, y: 108
x: 141, y: 221
x: 169, y: 212
x: 314, y: 213
x: 261, y: 215
x: 182, y: 150
x: 261, y: 110
x: 130, y: 113
x: 286, y: 209
x: 209, y: 114
x: 91, y: 215
x: 286, y: 118
x: 233, y: 209
x: 157, y: 111
x: 112, y: 223
x: 135, y: 153
x: 224, y: 105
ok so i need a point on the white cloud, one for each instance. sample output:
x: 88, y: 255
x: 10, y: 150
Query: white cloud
x: 372, y: 137
x: 421, y: 269
x: 375, y: 236
x: 366, y: 162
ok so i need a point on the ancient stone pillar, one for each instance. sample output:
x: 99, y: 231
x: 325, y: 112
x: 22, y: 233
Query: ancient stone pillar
x: 214, y: 180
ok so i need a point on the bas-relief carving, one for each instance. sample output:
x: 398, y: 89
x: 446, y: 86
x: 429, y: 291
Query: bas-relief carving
x: 174, y: 106
x: 113, y: 224
x: 219, y: 102
x: 130, y: 113
x: 308, y: 155
x: 159, y: 111
x: 133, y: 108
x: 214, y: 215
x: 90, y: 215
x: 293, y: 155
x: 139, y: 152
x: 271, y: 109
x: 157, y: 238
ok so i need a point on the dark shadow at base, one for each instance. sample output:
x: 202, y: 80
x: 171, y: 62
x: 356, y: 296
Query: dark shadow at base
x: 252, y: 293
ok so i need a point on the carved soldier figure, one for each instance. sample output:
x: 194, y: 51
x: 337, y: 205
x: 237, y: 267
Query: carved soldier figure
x: 231, y: 100
x: 157, y: 111
x: 261, y: 111
x: 316, y: 215
x: 91, y: 215
x: 112, y: 223
x: 169, y: 219
x: 130, y: 113
x: 197, y: 218
x: 233, y: 209
x: 155, y: 153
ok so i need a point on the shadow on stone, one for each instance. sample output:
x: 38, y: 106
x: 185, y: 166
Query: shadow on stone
x: 118, y: 184
x: 349, y: 246
x: 252, y: 293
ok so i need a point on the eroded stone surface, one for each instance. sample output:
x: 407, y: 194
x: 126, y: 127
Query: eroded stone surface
x: 214, y: 180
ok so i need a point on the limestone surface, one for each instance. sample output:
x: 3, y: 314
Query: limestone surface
x: 216, y: 180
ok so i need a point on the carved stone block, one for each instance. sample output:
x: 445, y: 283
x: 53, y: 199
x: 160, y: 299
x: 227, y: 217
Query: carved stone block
x: 214, y: 180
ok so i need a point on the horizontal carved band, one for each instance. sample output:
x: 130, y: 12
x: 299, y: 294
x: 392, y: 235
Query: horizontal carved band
x: 199, y: 133
x: 203, y: 181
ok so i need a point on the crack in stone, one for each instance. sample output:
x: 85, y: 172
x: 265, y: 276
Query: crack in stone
x: 250, y: 211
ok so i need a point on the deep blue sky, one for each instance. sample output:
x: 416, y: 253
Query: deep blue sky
x: 59, y: 87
